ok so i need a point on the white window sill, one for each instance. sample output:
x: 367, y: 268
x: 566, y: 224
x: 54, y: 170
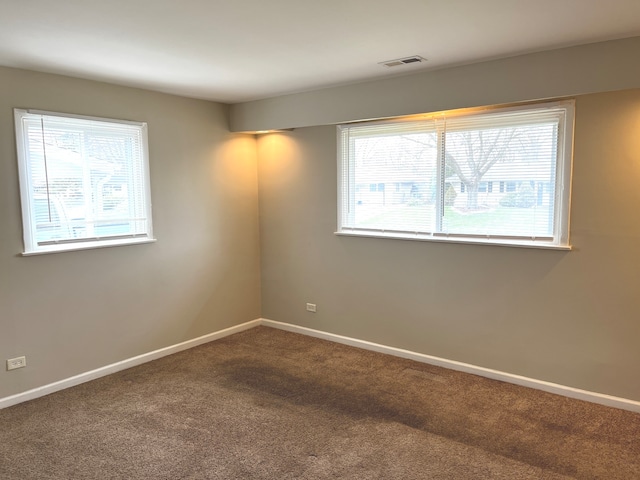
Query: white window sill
x: 69, y: 247
x: 501, y: 242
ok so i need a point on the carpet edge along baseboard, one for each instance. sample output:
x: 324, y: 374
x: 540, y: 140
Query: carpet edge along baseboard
x: 123, y: 365
x: 571, y: 392
x: 566, y: 391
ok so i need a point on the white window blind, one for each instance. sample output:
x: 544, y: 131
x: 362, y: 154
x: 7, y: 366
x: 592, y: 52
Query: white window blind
x: 84, y: 181
x: 499, y: 176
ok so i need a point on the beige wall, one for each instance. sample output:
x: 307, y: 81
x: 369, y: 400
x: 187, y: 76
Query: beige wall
x: 72, y: 312
x: 565, y: 317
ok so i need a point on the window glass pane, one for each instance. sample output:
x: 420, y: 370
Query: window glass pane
x: 395, y: 181
x: 523, y: 158
x: 480, y: 175
x: 84, y: 179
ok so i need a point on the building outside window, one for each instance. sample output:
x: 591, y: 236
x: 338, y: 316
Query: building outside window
x: 446, y: 165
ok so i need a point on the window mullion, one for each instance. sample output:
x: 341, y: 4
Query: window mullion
x: 86, y: 187
x: 349, y: 163
x: 440, y: 175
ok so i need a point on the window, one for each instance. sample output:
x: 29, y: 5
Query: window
x: 84, y: 182
x: 451, y: 162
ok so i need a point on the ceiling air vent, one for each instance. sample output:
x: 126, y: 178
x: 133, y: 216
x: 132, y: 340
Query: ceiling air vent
x: 403, y: 61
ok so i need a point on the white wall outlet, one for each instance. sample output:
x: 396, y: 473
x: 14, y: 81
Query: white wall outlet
x: 18, y: 362
x: 311, y: 307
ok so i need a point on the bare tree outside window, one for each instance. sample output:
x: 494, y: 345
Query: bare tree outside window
x: 485, y: 175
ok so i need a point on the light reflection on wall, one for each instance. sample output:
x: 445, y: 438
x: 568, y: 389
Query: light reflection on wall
x: 234, y: 165
x: 279, y: 158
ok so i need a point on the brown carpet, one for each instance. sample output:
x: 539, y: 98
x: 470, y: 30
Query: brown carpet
x: 267, y: 404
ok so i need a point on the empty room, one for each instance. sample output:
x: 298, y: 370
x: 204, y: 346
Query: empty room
x: 308, y: 240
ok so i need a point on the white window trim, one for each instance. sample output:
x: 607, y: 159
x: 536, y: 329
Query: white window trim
x: 562, y: 206
x: 31, y: 246
x: 62, y: 247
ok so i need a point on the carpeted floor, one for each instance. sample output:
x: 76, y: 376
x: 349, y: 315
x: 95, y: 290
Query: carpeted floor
x: 267, y: 404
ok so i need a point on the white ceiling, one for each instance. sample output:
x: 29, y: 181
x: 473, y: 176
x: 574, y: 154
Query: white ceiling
x: 239, y: 50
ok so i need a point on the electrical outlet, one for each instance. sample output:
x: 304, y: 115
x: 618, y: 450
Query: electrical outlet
x: 311, y: 307
x: 18, y: 362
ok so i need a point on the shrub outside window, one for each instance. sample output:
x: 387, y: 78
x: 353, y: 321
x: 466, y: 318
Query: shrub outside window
x: 84, y: 182
x: 499, y: 176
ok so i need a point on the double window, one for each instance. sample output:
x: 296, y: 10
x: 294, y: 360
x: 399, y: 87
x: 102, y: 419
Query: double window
x: 497, y: 176
x: 84, y: 182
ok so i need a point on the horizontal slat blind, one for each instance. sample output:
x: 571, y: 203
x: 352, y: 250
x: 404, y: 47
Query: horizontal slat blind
x: 86, y: 178
x: 390, y: 173
x: 492, y: 174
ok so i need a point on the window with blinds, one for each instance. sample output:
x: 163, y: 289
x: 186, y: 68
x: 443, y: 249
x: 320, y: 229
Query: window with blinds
x: 84, y: 182
x: 497, y: 176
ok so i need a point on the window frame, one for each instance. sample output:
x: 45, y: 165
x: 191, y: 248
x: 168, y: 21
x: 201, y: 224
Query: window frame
x: 28, y: 196
x: 562, y: 201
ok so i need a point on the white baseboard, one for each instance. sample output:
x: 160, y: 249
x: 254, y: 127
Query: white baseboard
x: 571, y: 392
x: 122, y: 365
